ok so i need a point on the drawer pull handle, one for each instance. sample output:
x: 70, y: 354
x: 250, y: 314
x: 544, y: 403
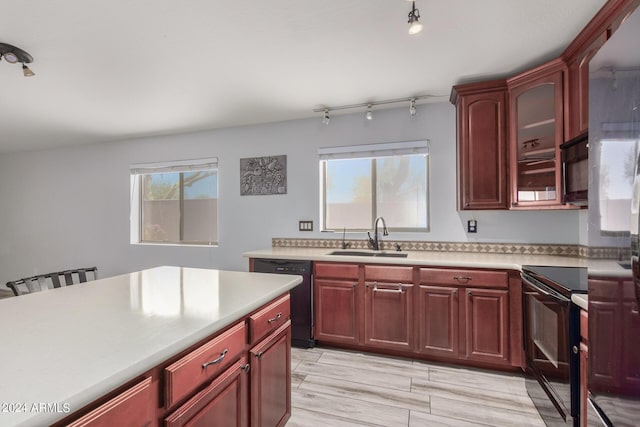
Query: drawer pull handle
x: 275, y: 319
x: 462, y: 279
x: 217, y: 360
x: 400, y: 289
x: 259, y: 354
x: 246, y: 368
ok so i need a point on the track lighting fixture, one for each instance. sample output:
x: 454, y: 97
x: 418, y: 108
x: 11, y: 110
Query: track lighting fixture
x: 415, y: 26
x: 326, y: 119
x: 369, y: 106
x: 13, y: 55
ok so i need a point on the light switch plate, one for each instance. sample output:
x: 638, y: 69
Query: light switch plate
x: 305, y: 225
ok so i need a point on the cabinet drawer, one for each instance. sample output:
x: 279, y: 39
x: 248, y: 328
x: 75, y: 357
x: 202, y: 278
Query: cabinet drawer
x: 336, y: 271
x: 388, y: 274
x: 269, y: 319
x: 475, y: 278
x: 134, y: 407
x: 203, y: 364
x: 584, y: 325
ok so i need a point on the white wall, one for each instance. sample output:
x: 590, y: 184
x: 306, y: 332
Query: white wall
x: 69, y: 207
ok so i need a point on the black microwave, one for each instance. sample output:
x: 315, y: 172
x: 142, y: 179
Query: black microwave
x: 575, y: 170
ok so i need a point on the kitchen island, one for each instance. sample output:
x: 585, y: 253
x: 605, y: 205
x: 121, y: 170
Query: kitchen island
x: 66, y: 348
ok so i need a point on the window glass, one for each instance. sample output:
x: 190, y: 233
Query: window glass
x: 177, y: 205
x: 358, y: 190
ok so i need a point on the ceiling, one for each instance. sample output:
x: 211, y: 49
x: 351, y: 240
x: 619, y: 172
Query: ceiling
x: 113, y: 70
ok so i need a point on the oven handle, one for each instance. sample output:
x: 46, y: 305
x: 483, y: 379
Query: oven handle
x: 542, y: 288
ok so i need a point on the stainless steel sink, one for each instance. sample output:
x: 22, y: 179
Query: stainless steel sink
x: 369, y: 253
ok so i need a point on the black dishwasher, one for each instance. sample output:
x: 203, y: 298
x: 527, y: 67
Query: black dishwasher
x: 301, y: 297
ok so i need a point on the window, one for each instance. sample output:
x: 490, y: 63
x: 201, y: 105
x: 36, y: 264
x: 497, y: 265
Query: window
x: 616, y: 174
x: 175, y: 203
x: 361, y: 183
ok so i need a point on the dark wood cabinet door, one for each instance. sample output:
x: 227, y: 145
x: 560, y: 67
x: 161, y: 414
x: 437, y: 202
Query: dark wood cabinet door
x: 438, y: 321
x: 482, y: 159
x: 271, y: 379
x: 222, y: 403
x: 388, y: 314
x: 536, y: 131
x: 336, y: 308
x: 487, y: 325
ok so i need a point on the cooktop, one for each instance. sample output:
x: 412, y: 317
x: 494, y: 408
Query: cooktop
x: 569, y: 279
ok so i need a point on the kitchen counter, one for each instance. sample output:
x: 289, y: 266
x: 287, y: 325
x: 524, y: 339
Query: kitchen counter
x: 426, y: 258
x: 66, y: 347
x: 581, y: 300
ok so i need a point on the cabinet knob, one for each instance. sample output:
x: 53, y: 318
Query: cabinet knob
x: 246, y: 368
x: 575, y: 349
x: 455, y: 292
x: 469, y: 293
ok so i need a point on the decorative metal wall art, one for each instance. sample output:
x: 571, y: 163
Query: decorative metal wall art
x: 263, y: 175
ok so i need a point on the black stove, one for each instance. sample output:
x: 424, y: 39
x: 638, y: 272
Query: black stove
x: 565, y: 280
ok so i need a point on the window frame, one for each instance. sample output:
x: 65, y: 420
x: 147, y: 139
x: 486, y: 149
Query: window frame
x: 374, y: 152
x: 137, y: 173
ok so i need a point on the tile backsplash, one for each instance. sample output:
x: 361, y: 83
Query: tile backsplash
x: 500, y: 248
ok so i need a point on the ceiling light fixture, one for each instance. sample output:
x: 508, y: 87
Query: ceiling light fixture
x: 412, y: 108
x: 326, y: 119
x: 415, y: 26
x: 369, y: 105
x: 13, y: 55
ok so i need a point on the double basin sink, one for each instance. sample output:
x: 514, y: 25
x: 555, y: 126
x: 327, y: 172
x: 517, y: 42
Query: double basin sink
x: 369, y: 253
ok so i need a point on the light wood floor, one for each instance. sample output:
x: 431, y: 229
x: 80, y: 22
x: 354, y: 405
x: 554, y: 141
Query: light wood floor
x: 333, y: 388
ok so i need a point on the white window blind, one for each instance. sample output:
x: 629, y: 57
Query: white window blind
x: 375, y: 150
x: 175, y: 166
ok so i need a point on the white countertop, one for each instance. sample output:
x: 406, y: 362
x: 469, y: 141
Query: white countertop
x: 71, y: 345
x: 426, y: 258
x: 581, y: 300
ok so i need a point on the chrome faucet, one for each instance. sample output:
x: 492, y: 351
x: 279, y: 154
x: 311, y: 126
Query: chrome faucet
x: 375, y: 243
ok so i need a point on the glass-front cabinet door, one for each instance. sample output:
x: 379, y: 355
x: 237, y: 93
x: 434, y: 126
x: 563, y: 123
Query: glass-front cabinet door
x: 536, y: 132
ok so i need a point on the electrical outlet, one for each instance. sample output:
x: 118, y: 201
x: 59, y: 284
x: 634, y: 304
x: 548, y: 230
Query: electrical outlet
x: 472, y: 226
x: 305, y: 225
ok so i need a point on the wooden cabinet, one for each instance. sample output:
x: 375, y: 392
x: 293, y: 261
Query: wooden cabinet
x: 536, y: 131
x: 271, y: 379
x: 584, y: 360
x: 239, y: 377
x: 577, y: 117
x: 482, y: 144
x: 203, y: 364
x: 388, y: 307
x: 336, y: 303
x: 438, y: 321
x: 464, y: 314
x: 487, y: 325
x: 223, y: 402
x: 132, y: 408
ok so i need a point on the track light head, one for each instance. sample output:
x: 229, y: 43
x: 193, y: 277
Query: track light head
x: 326, y: 119
x: 415, y: 26
x: 412, y: 108
x: 27, y: 72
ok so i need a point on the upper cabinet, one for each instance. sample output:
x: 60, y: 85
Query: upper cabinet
x: 535, y: 134
x: 510, y: 131
x: 482, y: 148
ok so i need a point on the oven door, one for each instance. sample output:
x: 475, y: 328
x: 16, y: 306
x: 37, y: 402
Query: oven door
x: 548, y: 352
